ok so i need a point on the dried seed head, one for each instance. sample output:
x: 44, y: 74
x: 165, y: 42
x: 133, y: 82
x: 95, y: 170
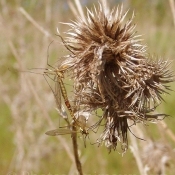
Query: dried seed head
x: 111, y: 71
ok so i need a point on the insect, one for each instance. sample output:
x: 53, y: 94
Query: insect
x: 60, y: 131
x: 79, y: 123
x: 64, y: 131
x: 58, y: 74
x: 59, y: 86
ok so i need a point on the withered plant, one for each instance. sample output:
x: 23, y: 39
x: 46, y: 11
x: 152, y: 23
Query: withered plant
x: 113, y: 71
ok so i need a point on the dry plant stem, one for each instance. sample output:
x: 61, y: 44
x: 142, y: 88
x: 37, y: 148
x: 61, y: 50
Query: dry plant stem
x: 75, y: 148
x: 135, y: 151
x: 172, y: 6
x: 80, y: 10
x: 167, y: 130
x: 72, y: 7
x: 41, y: 29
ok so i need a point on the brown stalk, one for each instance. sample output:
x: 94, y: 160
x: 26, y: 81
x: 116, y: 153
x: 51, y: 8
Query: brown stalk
x: 75, y: 148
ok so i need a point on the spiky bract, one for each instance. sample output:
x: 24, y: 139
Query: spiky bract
x: 112, y: 71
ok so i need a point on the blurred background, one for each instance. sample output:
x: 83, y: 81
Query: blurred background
x: 27, y: 106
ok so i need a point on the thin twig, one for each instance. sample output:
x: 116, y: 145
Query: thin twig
x: 79, y: 8
x: 75, y: 148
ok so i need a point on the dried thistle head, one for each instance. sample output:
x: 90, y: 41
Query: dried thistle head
x: 112, y: 71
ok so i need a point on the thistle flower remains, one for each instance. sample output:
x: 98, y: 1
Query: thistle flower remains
x: 112, y: 71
